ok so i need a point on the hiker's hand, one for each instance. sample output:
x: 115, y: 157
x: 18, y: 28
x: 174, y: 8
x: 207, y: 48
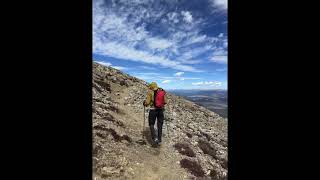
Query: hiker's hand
x: 144, y: 103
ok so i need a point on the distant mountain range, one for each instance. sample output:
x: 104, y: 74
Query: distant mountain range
x: 214, y: 100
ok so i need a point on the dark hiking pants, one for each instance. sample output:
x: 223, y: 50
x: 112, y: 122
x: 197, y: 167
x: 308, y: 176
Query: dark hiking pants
x: 153, y: 115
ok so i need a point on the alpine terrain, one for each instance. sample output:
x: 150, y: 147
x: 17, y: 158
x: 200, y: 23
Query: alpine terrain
x: 194, y: 143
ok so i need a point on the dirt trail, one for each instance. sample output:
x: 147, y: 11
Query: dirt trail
x: 195, y: 149
x: 147, y: 162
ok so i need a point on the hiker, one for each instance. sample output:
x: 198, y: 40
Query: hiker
x: 156, y: 99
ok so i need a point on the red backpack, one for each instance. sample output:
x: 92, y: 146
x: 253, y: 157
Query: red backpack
x: 159, y: 98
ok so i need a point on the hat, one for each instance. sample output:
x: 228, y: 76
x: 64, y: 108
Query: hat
x: 153, y: 86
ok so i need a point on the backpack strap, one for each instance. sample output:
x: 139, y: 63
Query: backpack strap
x: 154, y: 97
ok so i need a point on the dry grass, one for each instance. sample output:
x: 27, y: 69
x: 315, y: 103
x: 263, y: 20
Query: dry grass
x: 105, y: 131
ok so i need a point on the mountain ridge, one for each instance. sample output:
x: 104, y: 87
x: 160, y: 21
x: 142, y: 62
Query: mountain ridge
x: 194, y: 143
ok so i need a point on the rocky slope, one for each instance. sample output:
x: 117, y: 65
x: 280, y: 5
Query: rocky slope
x: 194, y: 139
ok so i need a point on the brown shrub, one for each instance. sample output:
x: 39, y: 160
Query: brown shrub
x: 224, y: 163
x: 114, y: 134
x: 184, y: 149
x: 104, y: 84
x: 193, y: 167
x: 207, y: 149
x: 110, y: 118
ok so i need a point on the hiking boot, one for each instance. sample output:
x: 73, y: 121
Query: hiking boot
x: 154, y: 143
x: 157, y: 142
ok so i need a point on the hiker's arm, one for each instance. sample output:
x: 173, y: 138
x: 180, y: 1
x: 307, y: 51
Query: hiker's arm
x: 148, y: 100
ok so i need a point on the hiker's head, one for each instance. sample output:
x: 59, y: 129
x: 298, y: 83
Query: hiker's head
x: 153, y: 86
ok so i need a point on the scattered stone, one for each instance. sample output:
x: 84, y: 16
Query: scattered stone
x: 198, y: 135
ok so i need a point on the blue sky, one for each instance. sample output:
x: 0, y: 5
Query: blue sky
x: 180, y: 44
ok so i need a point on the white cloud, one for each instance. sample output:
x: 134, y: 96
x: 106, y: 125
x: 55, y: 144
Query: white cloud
x: 120, y: 32
x: 196, y: 38
x: 225, y: 44
x: 208, y: 83
x: 191, y: 61
x: 120, y: 67
x: 190, y: 56
x: 149, y: 73
x: 109, y: 64
x: 220, y: 35
x: 116, y: 37
x: 220, y: 59
x: 186, y: 16
x: 187, y: 78
x: 175, y: 78
x: 179, y: 74
x: 157, y: 43
x: 152, y: 76
x: 147, y: 67
x: 222, y: 4
x: 120, y: 51
x: 173, y: 16
x: 219, y: 56
x: 217, y: 84
x: 117, y: 27
x: 103, y: 63
x: 221, y: 70
x: 197, y: 83
x: 160, y: 77
x: 144, y: 77
x: 166, y: 81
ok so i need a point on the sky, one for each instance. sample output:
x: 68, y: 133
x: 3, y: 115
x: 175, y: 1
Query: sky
x: 180, y: 44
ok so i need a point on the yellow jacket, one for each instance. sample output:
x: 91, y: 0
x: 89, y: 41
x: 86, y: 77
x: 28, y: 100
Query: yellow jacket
x: 150, y: 98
